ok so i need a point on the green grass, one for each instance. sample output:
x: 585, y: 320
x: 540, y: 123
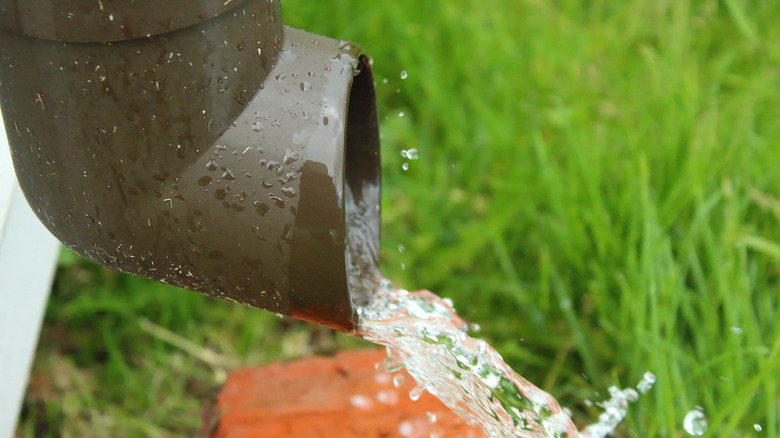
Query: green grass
x: 597, y: 187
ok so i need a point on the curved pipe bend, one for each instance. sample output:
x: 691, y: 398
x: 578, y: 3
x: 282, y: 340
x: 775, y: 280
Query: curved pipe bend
x: 217, y: 157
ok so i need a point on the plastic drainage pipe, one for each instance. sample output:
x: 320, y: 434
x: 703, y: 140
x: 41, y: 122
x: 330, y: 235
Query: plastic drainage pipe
x: 198, y: 143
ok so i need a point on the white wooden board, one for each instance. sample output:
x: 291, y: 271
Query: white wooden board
x: 28, y: 256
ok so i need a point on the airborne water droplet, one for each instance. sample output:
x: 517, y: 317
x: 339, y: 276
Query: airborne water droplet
x: 404, y: 75
x: 646, y: 383
x: 410, y: 153
x: 405, y: 166
x: 695, y: 423
x: 630, y: 394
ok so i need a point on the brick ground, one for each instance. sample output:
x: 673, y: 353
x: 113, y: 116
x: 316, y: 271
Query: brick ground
x: 342, y: 396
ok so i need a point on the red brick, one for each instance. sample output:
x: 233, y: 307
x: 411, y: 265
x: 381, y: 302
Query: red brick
x: 341, y: 396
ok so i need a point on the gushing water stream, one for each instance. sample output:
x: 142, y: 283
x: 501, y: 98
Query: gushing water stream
x: 423, y: 333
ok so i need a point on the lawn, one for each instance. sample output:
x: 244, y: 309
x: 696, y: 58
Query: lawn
x: 598, y: 187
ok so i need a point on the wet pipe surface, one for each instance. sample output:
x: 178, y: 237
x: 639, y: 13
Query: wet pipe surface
x: 339, y: 396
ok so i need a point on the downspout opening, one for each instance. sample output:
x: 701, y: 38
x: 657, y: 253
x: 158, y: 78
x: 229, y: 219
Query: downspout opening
x: 362, y: 185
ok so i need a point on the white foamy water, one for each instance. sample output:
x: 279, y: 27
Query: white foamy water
x: 423, y: 333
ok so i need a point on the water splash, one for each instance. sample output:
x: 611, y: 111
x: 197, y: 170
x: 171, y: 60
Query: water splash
x: 615, y: 410
x: 423, y: 333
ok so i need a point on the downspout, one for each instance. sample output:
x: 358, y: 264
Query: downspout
x: 198, y: 143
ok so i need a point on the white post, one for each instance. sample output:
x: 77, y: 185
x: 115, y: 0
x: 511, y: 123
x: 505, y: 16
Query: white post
x: 28, y: 256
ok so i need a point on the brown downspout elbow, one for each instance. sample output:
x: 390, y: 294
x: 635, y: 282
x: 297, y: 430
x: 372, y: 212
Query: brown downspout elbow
x: 201, y: 144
